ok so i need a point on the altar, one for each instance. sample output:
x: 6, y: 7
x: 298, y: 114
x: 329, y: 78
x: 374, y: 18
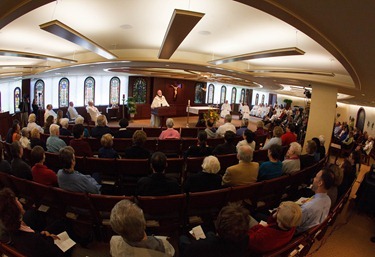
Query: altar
x: 200, y: 111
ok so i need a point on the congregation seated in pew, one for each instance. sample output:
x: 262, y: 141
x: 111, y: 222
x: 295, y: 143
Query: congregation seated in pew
x: 99, y: 130
x: 137, y: 150
x: 81, y: 147
x: 107, y: 151
x: 207, y: 179
x: 201, y: 148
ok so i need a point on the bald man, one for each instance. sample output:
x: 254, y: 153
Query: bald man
x: 159, y: 101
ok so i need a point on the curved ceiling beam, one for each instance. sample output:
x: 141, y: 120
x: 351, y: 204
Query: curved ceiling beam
x: 13, y: 9
x: 277, y: 9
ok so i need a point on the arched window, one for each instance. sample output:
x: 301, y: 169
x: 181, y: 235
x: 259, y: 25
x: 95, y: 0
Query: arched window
x: 89, y: 93
x: 200, y: 93
x: 39, y: 93
x: 256, y: 99
x: 223, y: 94
x: 17, y: 99
x: 242, y: 97
x: 262, y: 99
x: 63, y: 92
x: 211, y: 91
x: 0, y: 102
x: 114, y: 91
x: 234, y: 94
x: 139, y: 90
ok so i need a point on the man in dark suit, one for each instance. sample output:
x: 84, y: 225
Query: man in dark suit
x: 157, y: 183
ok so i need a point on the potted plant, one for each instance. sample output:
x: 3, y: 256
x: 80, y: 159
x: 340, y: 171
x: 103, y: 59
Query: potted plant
x: 132, y: 107
x: 288, y: 103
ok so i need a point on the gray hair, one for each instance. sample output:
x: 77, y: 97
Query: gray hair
x: 245, y: 153
x: 54, y: 129
x: 296, y: 148
x: 79, y: 120
x: 211, y: 164
x: 228, y: 118
x: 64, y: 122
x: 169, y: 123
x: 127, y: 220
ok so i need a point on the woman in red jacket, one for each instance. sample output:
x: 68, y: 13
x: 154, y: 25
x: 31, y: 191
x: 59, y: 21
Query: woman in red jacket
x: 278, y: 231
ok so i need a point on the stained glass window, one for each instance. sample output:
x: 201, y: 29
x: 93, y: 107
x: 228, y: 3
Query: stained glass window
x: 200, y: 93
x: 89, y: 93
x: 256, y: 99
x: 234, y: 94
x: 114, y: 91
x: 63, y: 92
x: 242, y: 97
x: 39, y: 93
x: 262, y: 99
x: 0, y: 102
x: 211, y: 91
x: 17, y: 99
x: 139, y: 90
x: 223, y: 94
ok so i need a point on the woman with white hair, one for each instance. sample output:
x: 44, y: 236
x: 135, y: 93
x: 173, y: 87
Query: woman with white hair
x: 279, y: 230
x: 64, y: 122
x: 207, y: 179
x: 128, y: 221
x: 170, y: 132
x: 292, y: 164
x: 31, y: 123
x: 80, y: 120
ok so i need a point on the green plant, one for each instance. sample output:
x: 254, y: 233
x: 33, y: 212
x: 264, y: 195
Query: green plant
x: 132, y: 106
x: 288, y: 101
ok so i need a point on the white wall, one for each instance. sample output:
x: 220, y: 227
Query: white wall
x: 7, y: 92
x: 297, y: 101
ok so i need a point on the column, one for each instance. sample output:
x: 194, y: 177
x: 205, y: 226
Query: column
x: 322, y: 113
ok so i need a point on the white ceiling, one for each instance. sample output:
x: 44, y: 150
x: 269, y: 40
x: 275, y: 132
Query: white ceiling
x: 134, y: 31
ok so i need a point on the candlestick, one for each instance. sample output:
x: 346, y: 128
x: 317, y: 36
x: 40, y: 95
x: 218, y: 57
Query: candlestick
x: 188, y: 102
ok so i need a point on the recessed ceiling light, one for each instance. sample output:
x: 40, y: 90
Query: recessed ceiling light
x: 363, y: 94
x: 204, y: 32
x: 126, y: 26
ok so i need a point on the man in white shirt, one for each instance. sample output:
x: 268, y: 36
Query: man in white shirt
x: 73, y: 114
x: 225, y: 109
x: 316, y: 209
x: 226, y: 126
x: 159, y: 101
x: 93, y: 111
x: 49, y: 112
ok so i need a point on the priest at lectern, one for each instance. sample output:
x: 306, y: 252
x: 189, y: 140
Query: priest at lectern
x: 159, y: 101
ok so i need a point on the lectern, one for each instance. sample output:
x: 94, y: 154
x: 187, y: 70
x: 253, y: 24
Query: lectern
x: 163, y: 112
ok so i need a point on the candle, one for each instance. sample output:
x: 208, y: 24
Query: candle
x: 188, y: 102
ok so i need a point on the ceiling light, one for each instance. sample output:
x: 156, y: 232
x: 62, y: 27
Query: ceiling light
x: 61, y: 30
x: 262, y: 54
x: 35, y: 56
x: 304, y: 72
x: 180, y: 25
